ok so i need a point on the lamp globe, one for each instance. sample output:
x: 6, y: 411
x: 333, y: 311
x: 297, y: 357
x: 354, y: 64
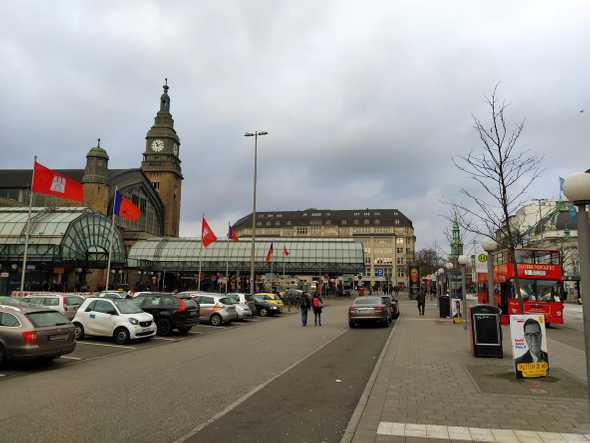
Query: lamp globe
x: 577, y: 188
x: 489, y: 245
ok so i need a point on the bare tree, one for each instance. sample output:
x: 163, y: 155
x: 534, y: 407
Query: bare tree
x: 428, y: 260
x: 503, y: 172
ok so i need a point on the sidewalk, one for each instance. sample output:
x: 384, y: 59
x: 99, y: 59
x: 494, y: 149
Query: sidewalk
x: 427, y: 376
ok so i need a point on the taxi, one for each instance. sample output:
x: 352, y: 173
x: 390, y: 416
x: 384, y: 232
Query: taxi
x: 273, y: 299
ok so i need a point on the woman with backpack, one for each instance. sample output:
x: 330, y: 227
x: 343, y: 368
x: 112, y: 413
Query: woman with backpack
x: 316, y: 305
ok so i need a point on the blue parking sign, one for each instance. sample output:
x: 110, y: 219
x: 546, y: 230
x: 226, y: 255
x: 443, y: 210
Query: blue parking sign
x: 379, y: 272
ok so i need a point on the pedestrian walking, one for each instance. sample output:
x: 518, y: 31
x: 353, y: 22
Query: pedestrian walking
x: 421, y: 300
x: 304, y: 307
x: 317, y: 305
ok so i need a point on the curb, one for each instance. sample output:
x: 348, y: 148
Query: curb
x: 362, y: 403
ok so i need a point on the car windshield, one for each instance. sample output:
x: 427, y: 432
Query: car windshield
x: 261, y: 298
x: 47, y: 318
x: 227, y: 301
x: 367, y: 301
x: 235, y: 298
x: 127, y: 307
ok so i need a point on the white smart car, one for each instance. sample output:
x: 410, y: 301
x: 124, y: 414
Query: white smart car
x: 121, y: 319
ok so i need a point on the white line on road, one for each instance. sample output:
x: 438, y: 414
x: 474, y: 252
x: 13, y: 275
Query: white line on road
x: 443, y: 432
x: 67, y: 357
x: 245, y: 397
x: 2, y: 375
x: 163, y: 338
x: 106, y: 345
x: 194, y: 332
x: 211, y: 326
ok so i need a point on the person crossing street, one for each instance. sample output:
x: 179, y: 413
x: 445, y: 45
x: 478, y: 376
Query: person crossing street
x: 304, y: 307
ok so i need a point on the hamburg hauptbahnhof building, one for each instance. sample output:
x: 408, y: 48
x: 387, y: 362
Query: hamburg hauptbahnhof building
x: 69, y: 244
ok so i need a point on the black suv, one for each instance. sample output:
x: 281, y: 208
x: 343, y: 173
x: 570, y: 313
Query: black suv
x: 169, y: 312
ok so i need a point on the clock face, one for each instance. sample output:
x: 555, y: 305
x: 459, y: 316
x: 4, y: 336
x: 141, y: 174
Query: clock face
x: 175, y: 149
x: 157, y: 145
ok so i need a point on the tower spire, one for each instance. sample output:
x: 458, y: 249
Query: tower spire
x: 165, y: 98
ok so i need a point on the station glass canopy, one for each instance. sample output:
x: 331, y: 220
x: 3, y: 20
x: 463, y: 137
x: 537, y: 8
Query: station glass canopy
x: 342, y: 256
x: 60, y: 236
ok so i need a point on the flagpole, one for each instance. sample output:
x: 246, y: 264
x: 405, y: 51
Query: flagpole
x: 27, y: 231
x: 227, y: 263
x: 106, y: 286
x: 200, y: 253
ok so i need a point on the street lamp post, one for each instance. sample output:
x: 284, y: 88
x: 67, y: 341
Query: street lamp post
x: 449, y: 266
x: 439, y: 274
x: 254, y: 134
x: 463, y: 260
x: 490, y: 246
x: 577, y: 190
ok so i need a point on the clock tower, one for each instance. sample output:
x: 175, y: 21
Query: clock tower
x: 161, y: 163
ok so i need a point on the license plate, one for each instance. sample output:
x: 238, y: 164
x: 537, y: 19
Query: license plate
x: 58, y: 337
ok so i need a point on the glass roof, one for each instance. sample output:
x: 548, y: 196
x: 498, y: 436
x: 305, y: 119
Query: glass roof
x: 327, y: 255
x: 59, y: 235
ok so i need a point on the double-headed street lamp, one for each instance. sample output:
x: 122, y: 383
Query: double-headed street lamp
x: 254, y: 134
x: 577, y: 189
x: 490, y: 246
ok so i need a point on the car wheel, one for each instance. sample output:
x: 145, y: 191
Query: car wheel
x: 263, y: 312
x: 216, y: 320
x: 78, y: 331
x: 351, y: 324
x: 396, y: 316
x: 184, y: 330
x: 164, y: 326
x: 2, y: 356
x: 121, y: 336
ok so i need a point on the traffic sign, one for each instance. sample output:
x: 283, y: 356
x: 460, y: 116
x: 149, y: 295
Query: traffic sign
x: 379, y: 272
x: 482, y: 258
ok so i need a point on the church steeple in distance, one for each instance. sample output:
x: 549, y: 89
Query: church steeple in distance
x: 161, y: 162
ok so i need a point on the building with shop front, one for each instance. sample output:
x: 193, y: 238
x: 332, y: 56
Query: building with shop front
x: 387, y: 236
x: 154, y: 186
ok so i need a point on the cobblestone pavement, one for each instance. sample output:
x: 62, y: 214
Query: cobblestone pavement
x: 428, y: 376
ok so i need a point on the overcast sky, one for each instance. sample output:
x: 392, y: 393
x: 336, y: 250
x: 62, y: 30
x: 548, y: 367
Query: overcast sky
x: 365, y: 102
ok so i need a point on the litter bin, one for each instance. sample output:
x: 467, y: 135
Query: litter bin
x: 485, y: 331
x: 444, y: 306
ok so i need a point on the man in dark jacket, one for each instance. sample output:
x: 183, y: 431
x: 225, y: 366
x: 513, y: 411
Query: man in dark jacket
x: 421, y: 300
x: 304, y: 307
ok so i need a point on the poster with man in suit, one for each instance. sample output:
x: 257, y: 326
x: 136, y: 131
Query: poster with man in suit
x: 529, y: 345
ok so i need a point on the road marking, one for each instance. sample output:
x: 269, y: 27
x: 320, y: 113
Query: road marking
x: 246, y: 396
x: 106, y: 345
x: 2, y: 375
x: 211, y: 326
x: 444, y: 432
x: 163, y: 338
x: 194, y: 332
x: 67, y: 357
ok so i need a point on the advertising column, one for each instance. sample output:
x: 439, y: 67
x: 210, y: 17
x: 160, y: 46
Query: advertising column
x: 414, y: 273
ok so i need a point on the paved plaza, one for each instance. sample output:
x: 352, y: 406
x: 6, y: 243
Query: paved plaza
x: 427, y: 385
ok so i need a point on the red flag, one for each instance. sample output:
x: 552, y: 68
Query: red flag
x: 231, y: 234
x: 49, y: 182
x: 268, y: 256
x: 285, y: 251
x: 207, y: 235
x: 125, y: 208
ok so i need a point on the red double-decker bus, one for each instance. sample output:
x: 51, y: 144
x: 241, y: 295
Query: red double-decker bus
x: 540, y: 277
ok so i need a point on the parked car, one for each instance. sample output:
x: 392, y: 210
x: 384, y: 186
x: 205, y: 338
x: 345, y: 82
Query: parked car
x: 369, y: 308
x: 242, y: 308
x: 248, y: 299
x: 169, y: 312
x: 29, y: 331
x: 66, y: 304
x: 121, y: 319
x: 113, y: 295
x: 216, y: 309
x: 386, y: 300
x: 273, y: 299
x: 264, y: 307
